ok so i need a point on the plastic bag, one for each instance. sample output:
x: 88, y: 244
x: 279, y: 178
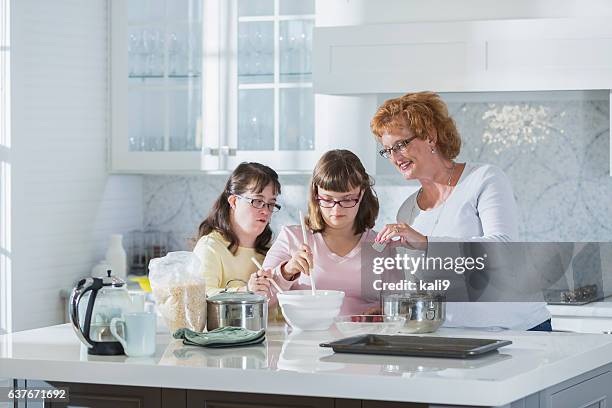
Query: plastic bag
x: 179, y: 290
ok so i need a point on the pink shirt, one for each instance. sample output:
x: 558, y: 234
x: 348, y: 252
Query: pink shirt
x: 331, y: 271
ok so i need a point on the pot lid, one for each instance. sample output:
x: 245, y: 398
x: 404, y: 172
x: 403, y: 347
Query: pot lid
x: 236, y: 298
x: 436, y: 296
x: 112, y: 280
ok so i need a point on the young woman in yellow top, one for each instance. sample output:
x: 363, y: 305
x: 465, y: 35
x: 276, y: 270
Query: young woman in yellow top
x: 238, y: 228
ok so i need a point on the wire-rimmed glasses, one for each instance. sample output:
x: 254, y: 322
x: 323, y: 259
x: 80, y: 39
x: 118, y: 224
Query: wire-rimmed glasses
x: 397, y: 148
x: 259, y: 204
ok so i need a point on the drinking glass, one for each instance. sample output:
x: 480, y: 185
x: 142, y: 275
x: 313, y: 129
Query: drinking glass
x: 296, y: 119
x: 256, y: 119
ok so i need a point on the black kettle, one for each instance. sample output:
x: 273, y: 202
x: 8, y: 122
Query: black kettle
x: 94, y: 302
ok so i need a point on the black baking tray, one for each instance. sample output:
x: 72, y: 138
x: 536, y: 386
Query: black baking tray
x: 419, y: 346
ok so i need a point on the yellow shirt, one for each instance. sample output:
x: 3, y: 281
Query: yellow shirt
x: 219, y: 265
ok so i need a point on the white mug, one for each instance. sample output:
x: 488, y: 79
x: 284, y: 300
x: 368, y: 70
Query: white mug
x: 139, y: 329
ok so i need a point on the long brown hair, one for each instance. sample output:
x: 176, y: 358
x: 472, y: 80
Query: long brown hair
x: 247, y: 176
x: 341, y: 171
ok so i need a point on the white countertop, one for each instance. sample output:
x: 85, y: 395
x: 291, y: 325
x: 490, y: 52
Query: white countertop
x: 292, y: 363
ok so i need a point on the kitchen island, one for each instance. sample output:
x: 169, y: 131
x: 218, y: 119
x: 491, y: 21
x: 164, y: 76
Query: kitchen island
x: 290, y: 370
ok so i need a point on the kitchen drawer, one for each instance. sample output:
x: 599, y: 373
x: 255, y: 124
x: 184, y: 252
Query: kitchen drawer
x: 594, y: 392
x: 107, y: 396
x: 216, y: 399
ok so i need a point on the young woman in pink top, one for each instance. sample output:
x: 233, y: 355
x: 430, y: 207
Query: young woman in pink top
x: 342, y: 209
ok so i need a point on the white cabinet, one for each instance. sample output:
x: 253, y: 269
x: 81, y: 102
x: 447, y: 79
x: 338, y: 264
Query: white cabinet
x: 271, y: 115
x: 156, y: 85
x: 206, y: 84
x: 465, y: 56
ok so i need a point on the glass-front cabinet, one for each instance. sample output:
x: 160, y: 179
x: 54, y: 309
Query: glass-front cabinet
x: 206, y: 84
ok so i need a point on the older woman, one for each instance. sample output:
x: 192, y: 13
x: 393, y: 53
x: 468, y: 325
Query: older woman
x: 456, y: 201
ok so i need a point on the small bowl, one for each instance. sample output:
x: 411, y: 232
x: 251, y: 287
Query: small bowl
x: 369, y: 324
x: 303, y: 311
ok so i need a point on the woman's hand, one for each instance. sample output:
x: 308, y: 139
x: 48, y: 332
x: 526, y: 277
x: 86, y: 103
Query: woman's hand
x: 259, y: 283
x: 406, y: 234
x: 300, y: 262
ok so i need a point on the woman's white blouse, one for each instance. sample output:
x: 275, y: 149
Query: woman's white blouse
x: 481, y: 207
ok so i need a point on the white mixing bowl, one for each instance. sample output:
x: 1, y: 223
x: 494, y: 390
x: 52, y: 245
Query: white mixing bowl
x: 303, y: 311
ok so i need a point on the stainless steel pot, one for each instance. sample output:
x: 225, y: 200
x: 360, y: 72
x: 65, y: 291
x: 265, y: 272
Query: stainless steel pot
x: 424, y: 312
x: 238, y: 309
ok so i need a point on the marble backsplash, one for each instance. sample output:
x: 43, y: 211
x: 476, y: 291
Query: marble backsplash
x: 554, y: 149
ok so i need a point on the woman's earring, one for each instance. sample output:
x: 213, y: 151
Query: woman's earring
x: 433, y: 151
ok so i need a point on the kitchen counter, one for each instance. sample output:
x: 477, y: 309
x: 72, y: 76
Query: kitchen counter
x: 292, y: 363
x: 595, y: 317
x: 593, y: 309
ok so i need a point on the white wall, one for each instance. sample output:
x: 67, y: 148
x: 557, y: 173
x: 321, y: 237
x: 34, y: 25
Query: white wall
x: 64, y: 202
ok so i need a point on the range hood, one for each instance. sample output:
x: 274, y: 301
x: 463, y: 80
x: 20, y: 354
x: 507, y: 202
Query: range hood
x: 464, y: 56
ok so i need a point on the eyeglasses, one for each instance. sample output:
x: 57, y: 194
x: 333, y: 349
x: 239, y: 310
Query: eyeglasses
x: 331, y: 203
x: 259, y: 204
x: 398, y: 147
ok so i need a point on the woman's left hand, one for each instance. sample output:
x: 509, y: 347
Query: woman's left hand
x: 406, y: 234
x: 259, y: 283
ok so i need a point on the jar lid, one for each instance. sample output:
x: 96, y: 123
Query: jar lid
x: 236, y: 298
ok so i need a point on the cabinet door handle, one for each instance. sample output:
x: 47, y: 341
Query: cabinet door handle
x: 221, y: 151
x: 227, y: 151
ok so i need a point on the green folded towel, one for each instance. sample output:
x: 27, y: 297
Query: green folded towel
x: 221, y: 337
